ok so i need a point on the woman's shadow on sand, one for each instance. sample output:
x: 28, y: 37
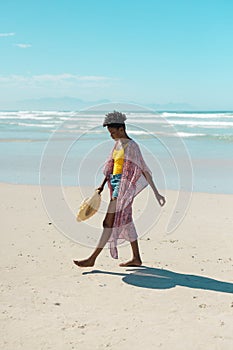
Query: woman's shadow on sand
x: 153, y: 278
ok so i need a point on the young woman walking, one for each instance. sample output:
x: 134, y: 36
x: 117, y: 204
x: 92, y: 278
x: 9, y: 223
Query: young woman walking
x: 126, y: 174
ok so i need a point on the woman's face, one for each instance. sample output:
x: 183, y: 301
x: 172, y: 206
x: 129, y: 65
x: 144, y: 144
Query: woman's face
x: 116, y: 133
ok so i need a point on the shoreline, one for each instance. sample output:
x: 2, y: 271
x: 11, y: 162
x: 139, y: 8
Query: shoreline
x: 91, y: 187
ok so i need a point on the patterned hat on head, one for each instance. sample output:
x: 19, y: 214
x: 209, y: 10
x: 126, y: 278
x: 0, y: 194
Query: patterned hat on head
x: 114, y: 118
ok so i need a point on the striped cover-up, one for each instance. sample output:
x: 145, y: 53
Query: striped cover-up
x: 132, y: 182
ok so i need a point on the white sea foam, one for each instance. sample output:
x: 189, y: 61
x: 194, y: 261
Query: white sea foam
x: 189, y: 134
x: 184, y: 122
x: 197, y: 115
x: 24, y: 117
x: 202, y: 123
x: 137, y: 132
x: 36, y: 125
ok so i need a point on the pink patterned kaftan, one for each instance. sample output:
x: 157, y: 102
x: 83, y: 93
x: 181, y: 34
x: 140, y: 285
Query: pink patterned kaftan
x: 132, y: 182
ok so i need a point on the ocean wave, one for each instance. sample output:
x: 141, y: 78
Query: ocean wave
x: 189, y: 134
x: 190, y: 123
x: 28, y: 117
x: 98, y: 121
x: 135, y: 117
x: 202, y: 123
x: 35, y: 125
x: 197, y: 115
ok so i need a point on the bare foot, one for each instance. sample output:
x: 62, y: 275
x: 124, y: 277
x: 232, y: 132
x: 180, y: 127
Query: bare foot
x: 84, y: 263
x: 133, y: 262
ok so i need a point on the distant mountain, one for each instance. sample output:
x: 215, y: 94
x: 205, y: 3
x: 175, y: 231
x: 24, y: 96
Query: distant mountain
x: 171, y: 107
x: 102, y: 105
x: 63, y: 103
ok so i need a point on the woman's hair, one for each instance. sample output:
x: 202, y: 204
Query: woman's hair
x: 116, y: 125
x: 115, y: 119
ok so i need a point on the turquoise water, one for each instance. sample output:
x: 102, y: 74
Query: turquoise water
x: 182, y: 148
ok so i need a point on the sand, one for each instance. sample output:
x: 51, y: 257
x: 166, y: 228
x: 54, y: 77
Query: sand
x: 181, y: 299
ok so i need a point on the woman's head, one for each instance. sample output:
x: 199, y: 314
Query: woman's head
x: 117, y: 131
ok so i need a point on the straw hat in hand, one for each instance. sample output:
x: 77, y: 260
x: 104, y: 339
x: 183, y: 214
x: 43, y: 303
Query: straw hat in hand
x: 89, y: 207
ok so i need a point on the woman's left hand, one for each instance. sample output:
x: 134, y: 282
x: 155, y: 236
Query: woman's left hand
x: 160, y: 199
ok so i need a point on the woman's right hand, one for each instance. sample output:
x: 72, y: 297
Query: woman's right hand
x: 100, y: 189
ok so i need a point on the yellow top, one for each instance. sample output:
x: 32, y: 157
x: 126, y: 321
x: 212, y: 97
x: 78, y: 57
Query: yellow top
x: 118, y: 157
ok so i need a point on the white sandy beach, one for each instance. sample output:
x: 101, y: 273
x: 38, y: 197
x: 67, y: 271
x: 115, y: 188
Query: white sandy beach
x: 181, y: 299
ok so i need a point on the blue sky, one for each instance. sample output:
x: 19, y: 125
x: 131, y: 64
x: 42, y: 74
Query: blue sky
x: 147, y: 51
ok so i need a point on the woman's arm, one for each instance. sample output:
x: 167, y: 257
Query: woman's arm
x: 150, y: 181
x: 100, y: 189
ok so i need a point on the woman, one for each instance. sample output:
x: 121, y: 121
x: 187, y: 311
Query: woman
x: 126, y: 174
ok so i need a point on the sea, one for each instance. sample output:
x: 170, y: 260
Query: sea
x: 191, y: 151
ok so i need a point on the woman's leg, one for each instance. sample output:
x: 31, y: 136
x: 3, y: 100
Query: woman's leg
x: 136, y: 260
x: 107, y: 224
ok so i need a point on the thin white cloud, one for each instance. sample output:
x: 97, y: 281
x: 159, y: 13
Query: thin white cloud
x: 13, y: 79
x: 65, y: 78
x: 92, y: 77
x: 3, y: 35
x: 23, y: 46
